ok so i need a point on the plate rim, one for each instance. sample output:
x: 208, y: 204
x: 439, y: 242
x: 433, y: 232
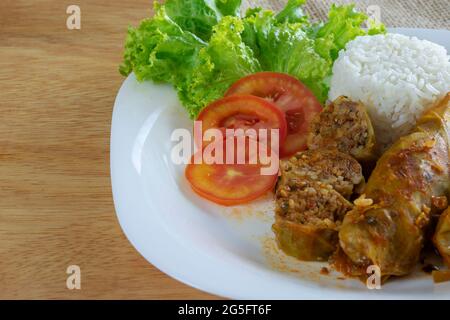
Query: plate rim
x: 117, y: 193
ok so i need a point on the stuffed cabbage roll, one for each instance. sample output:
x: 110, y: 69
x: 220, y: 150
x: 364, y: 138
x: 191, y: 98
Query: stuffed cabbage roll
x: 442, y: 236
x: 388, y: 231
x: 343, y: 125
x: 311, y: 200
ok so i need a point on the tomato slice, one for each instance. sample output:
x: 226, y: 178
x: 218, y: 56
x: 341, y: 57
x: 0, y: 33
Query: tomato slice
x: 296, y: 101
x: 230, y: 184
x: 244, y: 112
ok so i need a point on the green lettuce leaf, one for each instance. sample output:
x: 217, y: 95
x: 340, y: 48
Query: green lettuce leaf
x: 343, y: 25
x: 225, y: 60
x: 286, y: 47
x: 229, y: 7
x: 203, y: 46
x: 300, y: 49
x: 292, y: 12
x: 160, y: 50
x: 200, y: 16
x: 195, y: 16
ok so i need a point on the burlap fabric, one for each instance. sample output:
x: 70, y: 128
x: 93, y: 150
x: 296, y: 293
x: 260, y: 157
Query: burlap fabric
x: 433, y: 14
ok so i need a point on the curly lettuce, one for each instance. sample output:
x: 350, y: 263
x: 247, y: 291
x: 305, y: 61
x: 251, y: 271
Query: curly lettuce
x: 200, y: 16
x: 292, y: 12
x: 286, y: 47
x: 225, y: 60
x: 202, y: 46
x: 343, y: 25
x: 288, y: 43
x: 160, y: 50
x: 229, y: 7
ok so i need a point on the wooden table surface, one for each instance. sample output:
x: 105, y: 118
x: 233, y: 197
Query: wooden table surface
x: 57, y: 89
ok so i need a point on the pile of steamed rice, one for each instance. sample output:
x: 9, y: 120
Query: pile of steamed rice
x: 395, y: 76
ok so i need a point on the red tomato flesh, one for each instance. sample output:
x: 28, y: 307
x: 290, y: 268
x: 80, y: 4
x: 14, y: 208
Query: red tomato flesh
x: 297, y: 102
x: 244, y: 112
x: 230, y: 184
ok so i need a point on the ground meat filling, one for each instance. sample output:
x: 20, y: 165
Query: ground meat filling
x: 337, y: 169
x: 343, y: 125
x: 310, y: 186
x: 311, y: 202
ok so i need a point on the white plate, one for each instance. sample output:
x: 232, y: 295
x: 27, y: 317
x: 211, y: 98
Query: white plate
x: 229, y: 252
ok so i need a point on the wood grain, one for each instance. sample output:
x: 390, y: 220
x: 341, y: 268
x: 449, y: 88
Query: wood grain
x: 57, y: 89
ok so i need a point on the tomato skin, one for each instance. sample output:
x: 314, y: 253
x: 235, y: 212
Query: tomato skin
x: 230, y: 184
x: 292, y: 97
x: 245, y: 112
x: 230, y: 202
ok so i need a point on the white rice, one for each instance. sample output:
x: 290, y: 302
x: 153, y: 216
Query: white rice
x: 395, y: 76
